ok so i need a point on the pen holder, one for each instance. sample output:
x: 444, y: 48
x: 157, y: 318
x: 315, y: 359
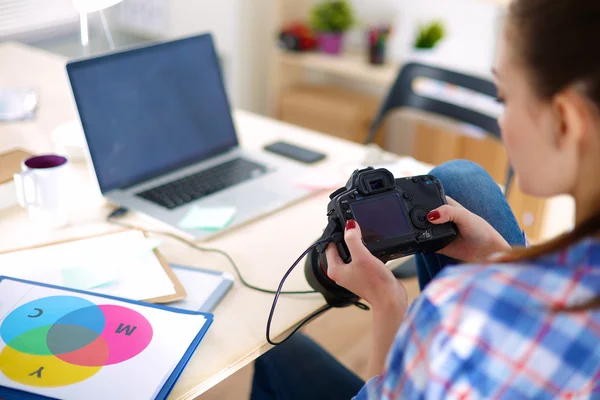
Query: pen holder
x: 376, y: 44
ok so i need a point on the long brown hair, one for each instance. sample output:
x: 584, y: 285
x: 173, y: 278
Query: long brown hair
x: 554, y: 40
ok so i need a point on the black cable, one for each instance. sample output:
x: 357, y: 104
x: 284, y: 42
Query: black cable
x: 122, y: 211
x: 278, y: 292
x: 297, y: 328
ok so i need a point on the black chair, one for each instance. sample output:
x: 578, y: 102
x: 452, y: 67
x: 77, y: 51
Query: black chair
x: 401, y: 95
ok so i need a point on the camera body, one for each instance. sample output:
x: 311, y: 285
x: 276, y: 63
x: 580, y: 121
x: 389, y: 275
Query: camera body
x: 392, y: 214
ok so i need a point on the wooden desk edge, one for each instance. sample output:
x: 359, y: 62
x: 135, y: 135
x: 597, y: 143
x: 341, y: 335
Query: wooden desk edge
x: 230, y: 370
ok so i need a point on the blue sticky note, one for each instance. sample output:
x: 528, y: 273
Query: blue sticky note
x: 210, y: 219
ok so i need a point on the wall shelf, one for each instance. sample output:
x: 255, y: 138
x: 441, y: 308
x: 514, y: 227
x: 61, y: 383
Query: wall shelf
x: 350, y: 65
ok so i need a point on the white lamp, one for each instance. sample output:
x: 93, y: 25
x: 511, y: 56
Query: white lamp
x: 85, y: 7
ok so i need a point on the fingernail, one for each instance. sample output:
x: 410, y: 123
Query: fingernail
x: 350, y: 224
x: 434, y: 216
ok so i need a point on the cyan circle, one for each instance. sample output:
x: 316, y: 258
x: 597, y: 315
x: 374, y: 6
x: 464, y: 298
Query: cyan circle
x: 38, y: 313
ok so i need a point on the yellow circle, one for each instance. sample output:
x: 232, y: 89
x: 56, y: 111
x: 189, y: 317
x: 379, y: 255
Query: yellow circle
x: 41, y: 371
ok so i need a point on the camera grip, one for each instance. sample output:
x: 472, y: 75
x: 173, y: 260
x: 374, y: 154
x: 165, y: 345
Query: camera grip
x: 338, y: 239
x: 342, y: 249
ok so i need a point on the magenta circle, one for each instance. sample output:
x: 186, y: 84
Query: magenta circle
x: 126, y: 332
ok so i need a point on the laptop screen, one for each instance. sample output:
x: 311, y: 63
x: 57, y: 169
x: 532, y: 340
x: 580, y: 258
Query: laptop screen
x: 149, y: 111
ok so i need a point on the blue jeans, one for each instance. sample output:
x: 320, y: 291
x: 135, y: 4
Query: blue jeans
x: 470, y: 185
x: 301, y: 369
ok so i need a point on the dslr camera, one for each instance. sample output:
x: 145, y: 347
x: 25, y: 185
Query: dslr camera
x: 392, y: 214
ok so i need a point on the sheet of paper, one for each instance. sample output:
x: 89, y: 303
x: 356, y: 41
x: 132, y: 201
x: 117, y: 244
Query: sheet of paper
x: 128, y: 353
x: 211, y: 219
x: 139, y: 274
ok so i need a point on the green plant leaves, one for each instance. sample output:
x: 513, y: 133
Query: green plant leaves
x: 429, y: 35
x: 332, y: 16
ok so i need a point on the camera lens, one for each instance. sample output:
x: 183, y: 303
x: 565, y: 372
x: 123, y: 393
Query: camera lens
x: 376, y: 184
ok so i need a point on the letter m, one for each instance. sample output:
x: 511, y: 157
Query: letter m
x: 127, y: 328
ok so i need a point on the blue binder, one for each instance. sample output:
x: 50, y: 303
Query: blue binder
x: 10, y: 393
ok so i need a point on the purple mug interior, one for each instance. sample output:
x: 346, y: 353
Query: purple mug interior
x: 46, y: 161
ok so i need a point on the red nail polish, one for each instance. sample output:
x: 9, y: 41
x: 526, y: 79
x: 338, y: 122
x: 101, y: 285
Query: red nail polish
x: 350, y: 224
x: 434, y: 216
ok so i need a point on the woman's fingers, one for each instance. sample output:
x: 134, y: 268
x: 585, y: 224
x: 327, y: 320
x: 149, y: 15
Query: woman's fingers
x: 334, y: 262
x: 358, y: 252
x: 448, y: 213
x: 353, y: 238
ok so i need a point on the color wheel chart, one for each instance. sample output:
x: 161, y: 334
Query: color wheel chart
x: 63, y: 340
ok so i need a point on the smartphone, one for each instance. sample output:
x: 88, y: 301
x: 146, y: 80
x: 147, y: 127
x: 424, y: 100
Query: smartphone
x: 295, y: 152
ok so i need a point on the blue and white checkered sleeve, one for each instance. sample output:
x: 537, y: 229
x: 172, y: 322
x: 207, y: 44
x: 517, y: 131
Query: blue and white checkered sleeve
x: 405, y: 375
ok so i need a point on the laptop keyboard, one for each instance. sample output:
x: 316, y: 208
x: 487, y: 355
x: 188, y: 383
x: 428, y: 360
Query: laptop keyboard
x: 193, y: 187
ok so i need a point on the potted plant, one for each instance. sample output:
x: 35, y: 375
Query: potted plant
x: 330, y: 19
x: 427, y: 38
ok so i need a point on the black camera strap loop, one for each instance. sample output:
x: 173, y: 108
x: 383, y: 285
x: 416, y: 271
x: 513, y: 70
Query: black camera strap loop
x: 324, y: 241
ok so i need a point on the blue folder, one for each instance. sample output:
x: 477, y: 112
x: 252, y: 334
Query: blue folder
x: 10, y: 393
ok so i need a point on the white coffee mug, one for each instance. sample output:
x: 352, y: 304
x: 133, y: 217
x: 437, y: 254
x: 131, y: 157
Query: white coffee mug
x: 42, y: 189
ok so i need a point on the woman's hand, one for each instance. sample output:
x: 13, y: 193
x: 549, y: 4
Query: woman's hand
x: 477, y: 240
x: 366, y: 276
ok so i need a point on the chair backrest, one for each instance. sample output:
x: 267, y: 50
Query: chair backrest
x: 403, y: 95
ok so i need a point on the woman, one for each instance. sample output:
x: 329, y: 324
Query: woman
x: 514, y: 322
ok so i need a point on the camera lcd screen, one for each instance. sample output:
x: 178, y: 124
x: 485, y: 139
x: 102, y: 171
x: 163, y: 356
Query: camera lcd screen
x: 381, y: 218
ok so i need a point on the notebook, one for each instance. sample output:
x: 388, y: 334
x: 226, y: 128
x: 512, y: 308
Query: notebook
x: 68, y: 344
x: 204, y: 288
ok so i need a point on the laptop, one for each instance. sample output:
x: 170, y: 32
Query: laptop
x: 161, y: 137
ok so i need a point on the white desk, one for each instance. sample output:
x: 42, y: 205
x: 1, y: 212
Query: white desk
x: 263, y: 249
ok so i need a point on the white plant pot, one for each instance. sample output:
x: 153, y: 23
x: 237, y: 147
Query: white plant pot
x: 424, y: 56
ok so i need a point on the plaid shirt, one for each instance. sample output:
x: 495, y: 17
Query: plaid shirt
x: 487, y: 332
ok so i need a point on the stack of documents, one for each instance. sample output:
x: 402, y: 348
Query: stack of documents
x: 122, y: 265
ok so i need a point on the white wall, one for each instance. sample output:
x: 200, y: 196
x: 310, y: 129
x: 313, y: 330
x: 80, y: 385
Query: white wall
x: 23, y: 17
x: 376, y: 11
x: 257, y: 35
x: 472, y: 28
